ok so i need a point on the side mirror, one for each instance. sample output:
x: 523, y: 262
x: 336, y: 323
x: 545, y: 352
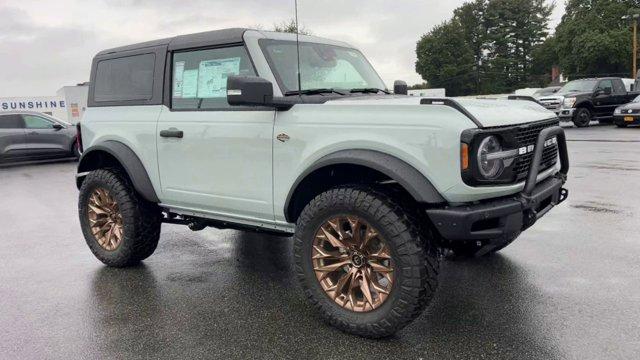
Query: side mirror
x: 607, y: 91
x: 249, y: 91
x: 253, y: 91
x: 400, y: 87
x: 57, y: 126
x: 598, y: 92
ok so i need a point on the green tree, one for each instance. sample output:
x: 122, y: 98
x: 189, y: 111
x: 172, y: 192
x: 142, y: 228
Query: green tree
x: 495, y: 41
x: 420, y: 86
x: 446, y: 60
x: 592, y: 40
x: 290, y: 27
x: 514, y: 29
x: 545, y: 57
x: 472, y: 18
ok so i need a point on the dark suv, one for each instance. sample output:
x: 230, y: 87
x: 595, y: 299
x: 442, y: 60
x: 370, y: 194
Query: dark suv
x: 30, y: 135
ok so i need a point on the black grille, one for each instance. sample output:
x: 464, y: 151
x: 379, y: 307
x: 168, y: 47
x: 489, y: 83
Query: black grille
x: 528, y: 135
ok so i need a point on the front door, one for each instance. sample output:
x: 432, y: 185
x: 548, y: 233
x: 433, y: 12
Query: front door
x: 213, y: 157
x: 605, y: 103
x: 42, y: 139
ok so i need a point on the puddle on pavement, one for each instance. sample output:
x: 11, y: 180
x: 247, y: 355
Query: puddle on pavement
x: 609, y: 167
x: 597, y: 207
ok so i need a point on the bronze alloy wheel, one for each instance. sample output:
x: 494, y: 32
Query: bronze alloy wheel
x: 353, y: 263
x: 105, y: 219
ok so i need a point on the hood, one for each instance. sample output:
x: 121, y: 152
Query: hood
x: 485, y: 112
x: 631, y: 105
x: 565, y: 95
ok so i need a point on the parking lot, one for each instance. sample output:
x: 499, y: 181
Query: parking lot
x: 569, y: 288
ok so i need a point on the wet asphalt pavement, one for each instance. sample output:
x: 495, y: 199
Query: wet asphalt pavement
x: 568, y: 288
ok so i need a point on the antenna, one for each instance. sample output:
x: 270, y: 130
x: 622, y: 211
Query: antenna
x: 298, y: 48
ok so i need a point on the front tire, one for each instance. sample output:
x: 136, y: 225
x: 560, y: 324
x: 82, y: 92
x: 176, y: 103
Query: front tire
x: 582, y: 117
x: 363, y: 262
x: 119, y: 226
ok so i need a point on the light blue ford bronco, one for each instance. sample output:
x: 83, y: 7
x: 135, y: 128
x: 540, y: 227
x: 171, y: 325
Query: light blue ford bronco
x: 250, y: 130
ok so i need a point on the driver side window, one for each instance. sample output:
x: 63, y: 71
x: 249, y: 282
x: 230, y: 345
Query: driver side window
x: 36, y: 122
x: 199, y: 77
x: 606, y: 84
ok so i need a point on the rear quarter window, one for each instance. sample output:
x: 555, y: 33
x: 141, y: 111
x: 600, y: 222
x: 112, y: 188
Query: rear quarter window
x: 125, y: 78
x: 11, y: 121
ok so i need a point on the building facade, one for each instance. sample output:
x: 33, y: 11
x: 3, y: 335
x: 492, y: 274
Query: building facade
x: 68, y: 104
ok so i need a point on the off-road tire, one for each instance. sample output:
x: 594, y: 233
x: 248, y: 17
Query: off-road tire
x: 413, y: 252
x: 470, y: 249
x: 582, y: 117
x: 141, y: 219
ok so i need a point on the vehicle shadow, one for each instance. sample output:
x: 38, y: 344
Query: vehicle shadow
x: 248, y: 305
x: 17, y: 164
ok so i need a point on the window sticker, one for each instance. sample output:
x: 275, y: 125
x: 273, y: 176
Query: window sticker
x: 190, y: 84
x: 178, y: 72
x: 212, y: 77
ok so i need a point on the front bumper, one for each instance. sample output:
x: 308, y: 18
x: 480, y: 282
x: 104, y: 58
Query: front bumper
x: 500, y: 218
x: 565, y: 114
x: 624, y: 119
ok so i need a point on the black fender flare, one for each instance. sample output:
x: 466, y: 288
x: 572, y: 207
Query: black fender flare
x: 406, y: 175
x: 129, y: 161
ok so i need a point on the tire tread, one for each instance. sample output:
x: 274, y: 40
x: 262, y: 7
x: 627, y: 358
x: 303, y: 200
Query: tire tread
x: 414, y: 247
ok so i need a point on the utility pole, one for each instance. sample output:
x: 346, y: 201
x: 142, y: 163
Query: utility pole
x: 634, y: 46
x: 478, y: 65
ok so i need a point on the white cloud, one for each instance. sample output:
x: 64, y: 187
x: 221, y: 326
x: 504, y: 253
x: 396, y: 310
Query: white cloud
x: 47, y: 44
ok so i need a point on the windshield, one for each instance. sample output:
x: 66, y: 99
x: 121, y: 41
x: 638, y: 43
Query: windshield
x: 322, y: 66
x: 578, y: 86
x: 637, y: 99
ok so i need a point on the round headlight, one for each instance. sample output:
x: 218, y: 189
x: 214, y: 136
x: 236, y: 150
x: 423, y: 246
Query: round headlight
x: 489, y: 168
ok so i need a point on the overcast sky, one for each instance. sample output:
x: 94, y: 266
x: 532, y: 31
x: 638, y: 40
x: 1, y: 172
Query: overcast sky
x: 47, y: 44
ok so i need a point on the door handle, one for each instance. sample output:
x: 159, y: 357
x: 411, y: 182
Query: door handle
x: 33, y: 133
x: 173, y: 132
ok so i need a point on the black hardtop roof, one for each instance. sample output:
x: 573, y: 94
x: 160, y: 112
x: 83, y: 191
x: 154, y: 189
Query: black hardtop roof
x: 207, y: 38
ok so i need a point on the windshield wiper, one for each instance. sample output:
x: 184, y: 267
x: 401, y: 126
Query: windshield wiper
x: 369, y: 90
x: 313, y: 92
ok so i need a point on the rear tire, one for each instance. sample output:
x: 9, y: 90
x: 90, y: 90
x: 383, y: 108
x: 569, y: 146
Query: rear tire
x: 138, y: 220
x: 411, y: 255
x: 582, y: 117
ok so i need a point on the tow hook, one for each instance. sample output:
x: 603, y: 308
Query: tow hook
x: 529, y: 218
x: 564, y: 194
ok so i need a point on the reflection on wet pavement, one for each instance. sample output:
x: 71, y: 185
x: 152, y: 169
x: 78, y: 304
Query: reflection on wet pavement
x: 568, y: 288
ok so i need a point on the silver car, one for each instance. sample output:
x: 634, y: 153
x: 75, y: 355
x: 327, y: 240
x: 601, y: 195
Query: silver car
x: 27, y: 135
